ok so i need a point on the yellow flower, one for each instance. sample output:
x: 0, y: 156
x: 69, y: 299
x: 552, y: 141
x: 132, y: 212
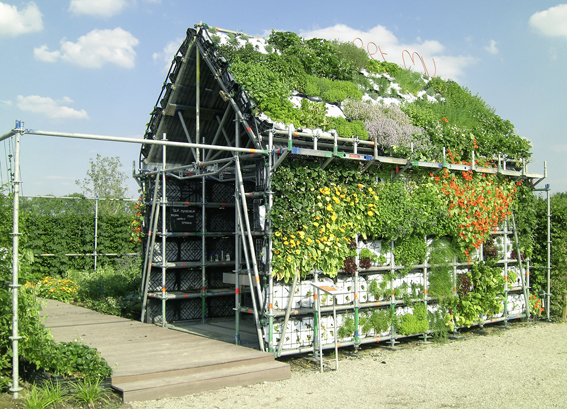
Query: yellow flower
x: 329, y: 208
x: 336, y: 199
x: 292, y: 236
x: 288, y: 259
x: 297, y: 251
x: 301, y: 234
x: 315, y: 224
x: 278, y: 234
x: 277, y: 252
x: 333, y: 217
x: 360, y: 186
x: 286, y: 243
x: 370, y: 213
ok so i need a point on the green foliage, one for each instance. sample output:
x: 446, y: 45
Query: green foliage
x: 331, y: 91
x: 538, y: 275
x: 437, y: 325
x: 461, y: 117
x: 105, y: 180
x: 380, y: 67
x: 347, y: 329
x: 90, y: 391
x: 348, y: 129
x: 409, y: 251
x: 356, y: 56
x: 414, y: 323
x: 377, y: 319
x: 63, y: 290
x: 482, y: 298
x: 110, y: 291
x: 410, y: 81
x: 62, y: 231
x: 441, y: 256
x: 319, y: 57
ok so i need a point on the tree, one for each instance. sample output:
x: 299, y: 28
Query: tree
x: 105, y: 180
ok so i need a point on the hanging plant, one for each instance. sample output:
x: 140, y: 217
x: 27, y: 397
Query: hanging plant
x: 136, y: 233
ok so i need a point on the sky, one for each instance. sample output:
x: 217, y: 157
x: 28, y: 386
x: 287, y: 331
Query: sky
x: 97, y: 67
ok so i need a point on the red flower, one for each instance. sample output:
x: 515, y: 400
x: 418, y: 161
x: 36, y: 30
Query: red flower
x: 445, y: 119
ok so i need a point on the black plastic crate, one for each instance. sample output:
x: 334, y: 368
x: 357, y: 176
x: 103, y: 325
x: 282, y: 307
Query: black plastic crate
x: 155, y: 281
x: 215, y: 278
x: 190, y: 249
x: 191, y: 279
x: 218, y: 248
x: 191, y: 190
x: 154, y: 311
x: 191, y: 309
x: 171, y: 251
x: 220, y: 220
x: 221, y: 306
x: 258, y: 214
x: 261, y: 172
x: 172, y: 190
x: 260, y: 248
x: 220, y: 192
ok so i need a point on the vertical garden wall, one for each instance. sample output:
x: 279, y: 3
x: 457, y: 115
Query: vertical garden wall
x: 408, y: 192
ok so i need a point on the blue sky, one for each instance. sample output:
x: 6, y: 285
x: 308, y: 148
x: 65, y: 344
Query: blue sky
x: 97, y: 66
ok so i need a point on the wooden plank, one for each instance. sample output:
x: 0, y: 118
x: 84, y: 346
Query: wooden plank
x: 152, y: 362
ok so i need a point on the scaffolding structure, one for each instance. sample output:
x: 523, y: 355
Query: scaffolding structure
x: 208, y: 242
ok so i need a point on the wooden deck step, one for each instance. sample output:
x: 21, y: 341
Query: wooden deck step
x: 151, y: 362
x: 168, y: 387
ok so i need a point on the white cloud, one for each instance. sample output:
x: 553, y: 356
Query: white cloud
x: 50, y: 108
x: 42, y: 54
x: 166, y: 55
x: 379, y: 40
x: 491, y: 48
x: 14, y: 22
x: 97, y: 8
x: 551, y: 22
x: 94, y: 49
x: 6, y: 103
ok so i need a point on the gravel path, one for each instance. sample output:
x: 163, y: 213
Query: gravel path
x: 524, y: 367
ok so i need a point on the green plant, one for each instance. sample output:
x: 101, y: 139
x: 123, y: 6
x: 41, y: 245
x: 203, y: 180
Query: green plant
x: 63, y: 290
x: 347, y: 329
x: 415, y: 322
x: 442, y: 253
x: 36, y: 399
x: 89, y: 391
x: 409, y: 251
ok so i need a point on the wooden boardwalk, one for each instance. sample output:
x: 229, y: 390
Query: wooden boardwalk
x: 151, y: 362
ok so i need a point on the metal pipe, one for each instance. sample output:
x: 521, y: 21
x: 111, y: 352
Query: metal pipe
x: 548, y: 303
x: 268, y: 228
x: 6, y: 136
x: 203, y: 252
x: 218, y: 132
x: 163, y: 236
x: 95, y: 231
x: 15, y: 268
x: 248, y: 229
x: 287, y: 314
x: 237, y: 312
x: 145, y: 141
x: 148, y: 259
x: 247, y: 258
x: 198, y: 99
x: 180, y: 115
x: 524, y: 287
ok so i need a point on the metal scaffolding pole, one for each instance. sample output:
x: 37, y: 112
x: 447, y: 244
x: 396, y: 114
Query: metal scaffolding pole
x: 15, y: 266
x: 163, y: 238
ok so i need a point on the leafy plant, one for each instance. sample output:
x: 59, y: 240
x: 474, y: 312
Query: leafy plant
x: 89, y: 391
x: 415, y: 322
